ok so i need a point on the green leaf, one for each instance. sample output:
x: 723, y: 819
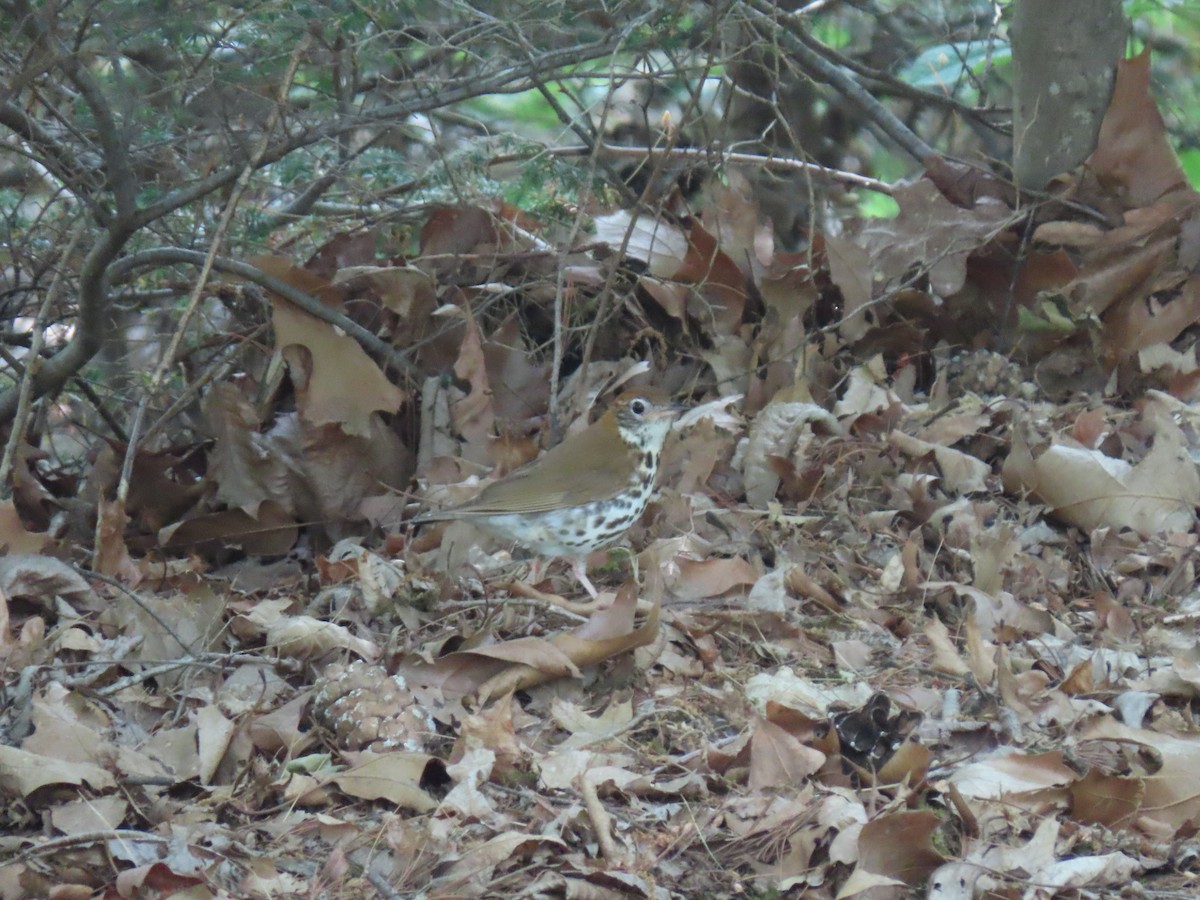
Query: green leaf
x: 1190, y: 160
x: 873, y: 205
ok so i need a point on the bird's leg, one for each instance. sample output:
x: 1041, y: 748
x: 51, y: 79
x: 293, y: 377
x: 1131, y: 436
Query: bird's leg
x: 535, y: 570
x: 579, y: 567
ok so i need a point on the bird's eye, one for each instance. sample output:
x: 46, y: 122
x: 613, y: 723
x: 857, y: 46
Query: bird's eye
x: 638, y: 406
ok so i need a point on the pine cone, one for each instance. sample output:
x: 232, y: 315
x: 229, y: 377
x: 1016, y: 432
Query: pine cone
x: 987, y: 374
x: 366, y: 709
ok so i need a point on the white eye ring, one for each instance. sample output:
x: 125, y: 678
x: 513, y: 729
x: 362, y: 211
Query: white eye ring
x: 638, y: 406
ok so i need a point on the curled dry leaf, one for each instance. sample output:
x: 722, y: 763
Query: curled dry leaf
x: 945, y: 655
x: 695, y: 579
x: 1132, y: 148
x: 296, y: 470
x: 660, y: 244
x: 670, y: 295
x: 585, y: 730
x: 850, y: 270
x: 1024, y: 781
x: 894, y: 849
x: 465, y: 799
x: 304, y: 637
x: 867, y: 393
x: 932, y: 233
x: 497, y: 669
x: 1108, y: 870
x: 521, y: 384
x: 1170, y: 800
x: 780, y: 760
x: 693, y: 256
x: 214, y: 733
x: 606, y: 634
x: 272, y: 531
x: 39, y: 578
x: 961, y: 473
x: 1090, y: 490
x: 337, y: 470
x: 782, y: 430
x: 473, y: 414
x: 405, y: 290
x: 112, y: 556
x: 474, y: 870
x: 1156, y: 315
x: 244, y: 468
x: 787, y: 689
x: 92, y: 814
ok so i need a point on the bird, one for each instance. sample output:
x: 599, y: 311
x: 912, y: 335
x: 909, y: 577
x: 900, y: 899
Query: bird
x: 582, y: 494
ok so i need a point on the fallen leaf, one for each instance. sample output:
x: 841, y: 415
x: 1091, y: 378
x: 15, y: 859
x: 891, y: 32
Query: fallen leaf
x: 395, y: 777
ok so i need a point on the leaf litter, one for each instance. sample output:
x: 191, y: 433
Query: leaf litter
x: 904, y: 619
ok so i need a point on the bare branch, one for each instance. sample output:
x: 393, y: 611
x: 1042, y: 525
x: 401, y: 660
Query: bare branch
x: 56, y: 157
x: 791, y: 28
x: 90, y: 325
x: 166, y: 256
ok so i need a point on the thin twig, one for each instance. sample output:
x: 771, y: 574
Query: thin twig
x: 25, y: 391
x: 715, y: 154
x: 162, y: 256
x: 99, y: 405
x: 163, y: 624
x: 53, y: 845
x: 601, y: 820
x: 381, y: 886
x: 791, y: 29
x: 162, y: 668
x: 212, y: 373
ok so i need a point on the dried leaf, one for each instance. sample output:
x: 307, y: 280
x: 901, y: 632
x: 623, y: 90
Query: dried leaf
x: 1089, y: 489
x: 22, y: 773
x: 336, y: 382
x: 394, y: 777
x: 14, y: 538
x: 1132, y: 148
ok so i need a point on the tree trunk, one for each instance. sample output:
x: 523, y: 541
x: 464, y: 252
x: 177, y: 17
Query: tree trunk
x: 1064, y: 58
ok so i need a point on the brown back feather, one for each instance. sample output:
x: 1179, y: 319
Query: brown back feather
x: 592, y: 465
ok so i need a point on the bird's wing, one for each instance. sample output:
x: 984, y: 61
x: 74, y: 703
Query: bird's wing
x: 560, y: 484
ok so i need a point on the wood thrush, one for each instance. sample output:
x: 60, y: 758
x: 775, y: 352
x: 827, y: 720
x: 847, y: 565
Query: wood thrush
x: 583, y: 494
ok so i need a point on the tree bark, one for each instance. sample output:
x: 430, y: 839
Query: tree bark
x: 1065, y: 54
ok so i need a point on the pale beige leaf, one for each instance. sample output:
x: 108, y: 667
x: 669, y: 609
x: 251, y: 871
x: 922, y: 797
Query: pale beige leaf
x: 22, y: 773
x: 305, y: 637
x: 1089, y: 489
x: 780, y: 429
x: 778, y: 760
x: 40, y: 579
x: 961, y: 473
x: 93, y: 814
x: 395, y: 777
x: 213, y: 733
